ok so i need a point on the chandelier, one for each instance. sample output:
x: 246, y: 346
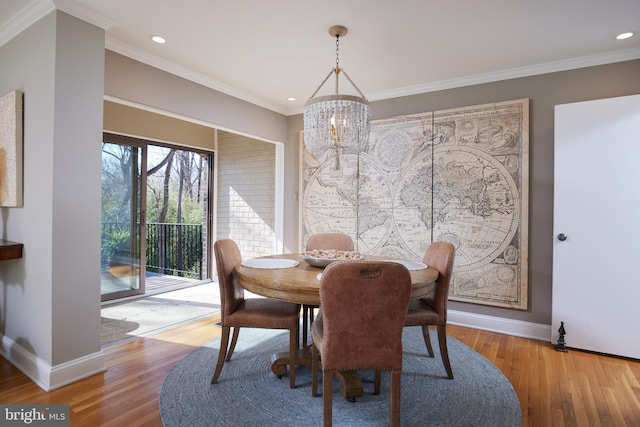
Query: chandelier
x: 337, y: 121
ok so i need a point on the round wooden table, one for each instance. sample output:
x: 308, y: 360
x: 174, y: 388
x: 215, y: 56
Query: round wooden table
x: 301, y: 285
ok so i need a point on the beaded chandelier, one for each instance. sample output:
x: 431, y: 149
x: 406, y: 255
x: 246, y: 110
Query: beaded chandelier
x: 337, y: 121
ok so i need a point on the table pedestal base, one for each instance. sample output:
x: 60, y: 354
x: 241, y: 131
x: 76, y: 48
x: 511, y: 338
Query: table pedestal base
x: 350, y: 381
x: 280, y: 360
x: 350, y: 384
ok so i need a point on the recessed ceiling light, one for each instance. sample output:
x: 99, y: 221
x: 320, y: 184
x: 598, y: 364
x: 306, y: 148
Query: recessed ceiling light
x: 291, y: 98
x: 158, y: 39
x: 625, y: 35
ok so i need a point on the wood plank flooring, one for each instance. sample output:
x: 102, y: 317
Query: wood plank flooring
x: 555, y: 389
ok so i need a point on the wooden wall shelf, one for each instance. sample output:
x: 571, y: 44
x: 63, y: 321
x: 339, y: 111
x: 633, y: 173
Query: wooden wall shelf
x: 10, y: 250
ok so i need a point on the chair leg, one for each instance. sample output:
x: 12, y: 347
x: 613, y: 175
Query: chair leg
x: 293, y: 346
x: 427, y: 339
x: 315, y: 362
x: 311, y: 314
x: 442, y: 341
x: 377, y: 375
x: 327, y: 398
x: 300, y: 310
x: 307, y: 321
x: 395, y: 398
x: 234, y: 340
x: 224, y: 341
x: 305, y: 311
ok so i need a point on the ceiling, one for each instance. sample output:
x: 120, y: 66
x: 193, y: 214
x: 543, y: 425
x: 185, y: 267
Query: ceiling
x: 266, y: 51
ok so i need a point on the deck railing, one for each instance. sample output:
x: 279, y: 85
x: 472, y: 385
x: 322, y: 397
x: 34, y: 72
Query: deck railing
x: 171, y: 249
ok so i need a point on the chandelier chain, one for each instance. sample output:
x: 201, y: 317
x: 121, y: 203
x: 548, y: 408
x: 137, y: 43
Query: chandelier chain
x: 337, y: 52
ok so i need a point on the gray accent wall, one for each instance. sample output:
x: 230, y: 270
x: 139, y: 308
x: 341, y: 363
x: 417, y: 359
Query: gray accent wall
x: 50, y: 299
x: 133, y: 81
x: 544, y: 92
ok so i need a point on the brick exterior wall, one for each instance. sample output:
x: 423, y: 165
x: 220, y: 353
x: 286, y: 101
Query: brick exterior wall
x: 246, y: 194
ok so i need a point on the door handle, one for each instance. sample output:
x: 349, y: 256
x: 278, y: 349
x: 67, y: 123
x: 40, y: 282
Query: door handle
x: 562, y: 237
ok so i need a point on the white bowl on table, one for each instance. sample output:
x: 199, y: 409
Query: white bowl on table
x: 321, y: 262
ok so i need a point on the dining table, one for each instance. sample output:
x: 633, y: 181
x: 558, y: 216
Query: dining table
x: 288, y: 277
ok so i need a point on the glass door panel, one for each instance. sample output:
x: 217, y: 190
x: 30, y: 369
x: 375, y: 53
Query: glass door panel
x: 177, y: 213
x: 122, y: 259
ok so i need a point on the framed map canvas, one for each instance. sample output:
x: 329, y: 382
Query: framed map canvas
x: 11, y: 149
x: 457, y: 175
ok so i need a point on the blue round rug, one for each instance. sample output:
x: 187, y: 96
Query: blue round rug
x: 249, y: 394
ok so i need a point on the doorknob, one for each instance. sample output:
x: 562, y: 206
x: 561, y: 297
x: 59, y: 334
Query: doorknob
x: 562, y: 237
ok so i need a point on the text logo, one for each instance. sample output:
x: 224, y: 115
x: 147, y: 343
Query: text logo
x: 35, y: 415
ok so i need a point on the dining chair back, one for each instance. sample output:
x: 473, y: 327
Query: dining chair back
x: 432, y: 309
x: 238, y: 312
x: 363, y: 308
x: 338, y: 241
x: 322, y: 241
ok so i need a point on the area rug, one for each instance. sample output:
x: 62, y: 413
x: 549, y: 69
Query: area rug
x: 249, y: 394
x: 154, y: 313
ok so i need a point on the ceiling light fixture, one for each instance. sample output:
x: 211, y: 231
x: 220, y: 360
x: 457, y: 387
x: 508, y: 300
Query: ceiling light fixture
x: 625, y: 35
x: 158, y: 39
x: 337, y: 121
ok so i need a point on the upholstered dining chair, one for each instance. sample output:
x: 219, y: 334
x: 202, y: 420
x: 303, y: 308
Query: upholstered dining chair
x: 363, y: 307
x: 432, y: 309
x: 240, y: 312
x: 338, y: 241
x: 322, y: 241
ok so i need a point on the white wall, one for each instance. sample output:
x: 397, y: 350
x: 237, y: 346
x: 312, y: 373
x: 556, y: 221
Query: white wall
x: 246, y: 194
x: 51, y: 297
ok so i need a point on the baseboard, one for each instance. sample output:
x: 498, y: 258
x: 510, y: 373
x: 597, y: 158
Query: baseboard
x: 49, y: 377
x: 500, y: 325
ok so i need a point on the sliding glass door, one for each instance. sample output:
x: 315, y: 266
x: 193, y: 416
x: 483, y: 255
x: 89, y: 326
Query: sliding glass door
x: 122, y: 258
x: 155, y: 217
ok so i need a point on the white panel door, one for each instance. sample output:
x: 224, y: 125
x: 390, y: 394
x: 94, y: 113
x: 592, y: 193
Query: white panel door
x: 596, y: 269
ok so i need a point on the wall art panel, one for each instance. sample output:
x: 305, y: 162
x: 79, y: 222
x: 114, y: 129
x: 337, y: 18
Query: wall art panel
x: 458, y: 175
x: 11, y: 149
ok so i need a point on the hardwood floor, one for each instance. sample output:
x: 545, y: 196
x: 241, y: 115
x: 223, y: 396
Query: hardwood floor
x: 555, y: 389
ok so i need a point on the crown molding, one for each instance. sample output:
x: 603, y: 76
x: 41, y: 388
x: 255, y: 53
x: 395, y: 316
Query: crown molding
x: 38, y: 9
x: 29, y: 15
x: 186, y: 73
x: 513, y: 73
x: 84, y: 13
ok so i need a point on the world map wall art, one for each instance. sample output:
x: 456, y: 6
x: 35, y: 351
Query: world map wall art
x: 459, y: 175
